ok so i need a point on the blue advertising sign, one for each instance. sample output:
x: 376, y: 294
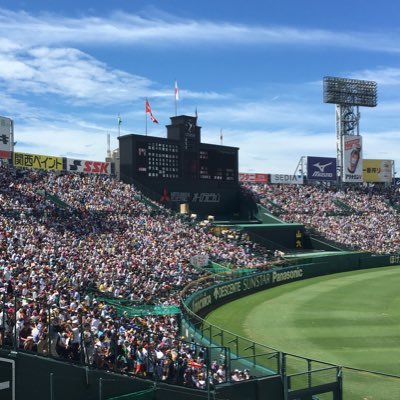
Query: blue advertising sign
x: 321, y: 168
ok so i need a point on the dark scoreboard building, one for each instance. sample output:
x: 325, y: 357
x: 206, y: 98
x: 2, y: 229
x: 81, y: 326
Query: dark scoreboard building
x: 180, y: 170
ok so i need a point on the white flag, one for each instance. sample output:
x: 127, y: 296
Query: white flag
x: 176, y: 91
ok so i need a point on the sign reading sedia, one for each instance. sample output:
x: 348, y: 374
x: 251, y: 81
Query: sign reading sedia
x: 37, y: 161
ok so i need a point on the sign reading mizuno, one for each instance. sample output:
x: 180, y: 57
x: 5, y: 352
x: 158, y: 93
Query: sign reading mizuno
x: 321, y: 168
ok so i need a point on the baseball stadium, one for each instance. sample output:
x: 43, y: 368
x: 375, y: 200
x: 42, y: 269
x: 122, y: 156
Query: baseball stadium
x: 164, y: 273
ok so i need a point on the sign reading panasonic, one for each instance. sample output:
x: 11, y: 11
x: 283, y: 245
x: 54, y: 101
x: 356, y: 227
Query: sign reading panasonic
x: 287, y: 275
x: 321, y: 168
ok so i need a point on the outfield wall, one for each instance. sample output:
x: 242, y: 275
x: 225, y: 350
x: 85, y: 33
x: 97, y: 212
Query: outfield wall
x: 48, y: 379
x: 203, y: 301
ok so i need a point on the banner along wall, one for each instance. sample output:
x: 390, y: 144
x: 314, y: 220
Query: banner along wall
x: 205, y: 300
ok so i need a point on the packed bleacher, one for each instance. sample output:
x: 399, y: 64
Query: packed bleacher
x: 360, y: 218
x: 66, y: 239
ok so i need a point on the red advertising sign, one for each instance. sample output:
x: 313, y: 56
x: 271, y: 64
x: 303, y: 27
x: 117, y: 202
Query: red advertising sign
x: 254, y: 178
x: 92, y: 167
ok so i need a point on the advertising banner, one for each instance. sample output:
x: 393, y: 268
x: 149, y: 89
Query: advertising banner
x: 377, y: 170
x: 37, y: 161
x: 6, y: 144
x: 199, y: 260
x: 90, y: 167
x: 321, y: 168
x: 287, y: 179
x: 253, y: 178
x: 352, y: 159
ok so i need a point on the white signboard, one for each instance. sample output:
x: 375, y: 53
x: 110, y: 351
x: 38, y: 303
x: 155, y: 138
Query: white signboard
x: 199, y: 260
x: 287, y: 179
x: 6, y: 138
x: 352, y: 159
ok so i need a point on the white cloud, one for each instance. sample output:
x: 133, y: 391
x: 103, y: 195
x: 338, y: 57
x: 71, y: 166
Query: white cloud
x: 124, y: 28
x: 69, y: 73
x: 262, y: 151
x: 39, y: 63
x: 59, y: 139
x: 383, y: 75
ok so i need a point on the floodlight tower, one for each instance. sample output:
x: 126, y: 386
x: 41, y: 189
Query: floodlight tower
x: 348, y: 95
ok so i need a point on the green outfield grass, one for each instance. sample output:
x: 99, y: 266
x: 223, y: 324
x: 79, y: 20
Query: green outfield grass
x: 350, y: 319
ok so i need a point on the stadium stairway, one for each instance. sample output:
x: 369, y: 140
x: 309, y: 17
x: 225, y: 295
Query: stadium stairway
x: 54, y: 199
x: 347, y: 210
x: 265, y: 215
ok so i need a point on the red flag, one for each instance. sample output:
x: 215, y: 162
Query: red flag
x: 148, y: 110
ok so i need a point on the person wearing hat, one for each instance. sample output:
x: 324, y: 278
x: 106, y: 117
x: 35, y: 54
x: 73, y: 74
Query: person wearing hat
x: 75, y: 339
x: 235, y: 377
x: 43, y: 342
x: 201, y: 381
x: 88, y: 345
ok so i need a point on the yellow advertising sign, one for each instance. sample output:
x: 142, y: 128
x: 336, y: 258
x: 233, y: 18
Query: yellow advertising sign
x: 27, y: 160
x: 377, y: 170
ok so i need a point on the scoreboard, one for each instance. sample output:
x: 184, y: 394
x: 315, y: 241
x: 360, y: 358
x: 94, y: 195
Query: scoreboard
x: 157, y: 160
x: 217, y: 164
x: 180, y: 168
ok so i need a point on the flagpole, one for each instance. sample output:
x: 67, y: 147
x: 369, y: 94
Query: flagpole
x: 119, y: 125
x: 176, y: 92
x: 146, y: 118
x: 221, y: 138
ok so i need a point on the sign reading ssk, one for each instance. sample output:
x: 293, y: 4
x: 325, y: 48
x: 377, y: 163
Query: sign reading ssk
x: 91, y: 167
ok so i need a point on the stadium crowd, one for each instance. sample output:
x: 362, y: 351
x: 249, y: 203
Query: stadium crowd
x: 67, y: 240
x: 100, y: 238
x: 360, y: 218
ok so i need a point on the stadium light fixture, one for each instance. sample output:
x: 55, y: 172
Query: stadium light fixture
x: 350, y: 92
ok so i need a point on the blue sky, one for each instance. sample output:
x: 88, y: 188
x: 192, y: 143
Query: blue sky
x: 252, y: 69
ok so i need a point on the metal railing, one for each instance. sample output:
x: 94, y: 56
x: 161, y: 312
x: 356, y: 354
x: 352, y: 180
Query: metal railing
x: 299, y: 373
